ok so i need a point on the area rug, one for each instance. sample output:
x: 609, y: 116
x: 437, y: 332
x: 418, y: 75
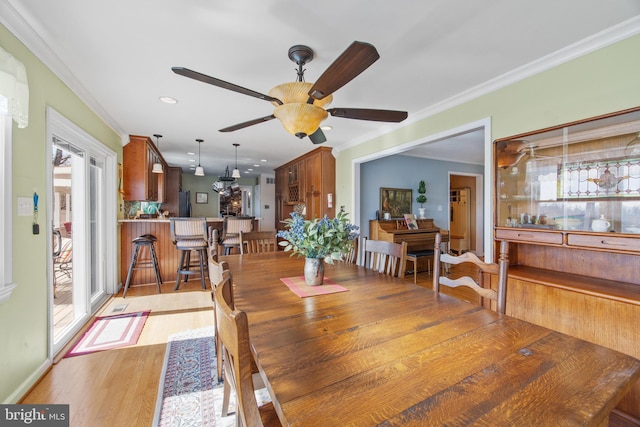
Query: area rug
x: 189, y: 393
x: 300, y: 288
x: 110, y: 332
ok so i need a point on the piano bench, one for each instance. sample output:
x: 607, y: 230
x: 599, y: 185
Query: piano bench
x: 414, y: 256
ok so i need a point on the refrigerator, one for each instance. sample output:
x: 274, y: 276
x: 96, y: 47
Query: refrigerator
x: 184, y: 203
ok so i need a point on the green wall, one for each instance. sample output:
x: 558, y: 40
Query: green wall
x: 600, y: 82
x: 24, y: 317
x: 202, y: 184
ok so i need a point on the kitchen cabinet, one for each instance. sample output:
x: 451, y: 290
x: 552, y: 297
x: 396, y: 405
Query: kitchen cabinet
x: 173, y: 185
x: 568, y: 201
x: 306, y: 183
x: 139, y: 182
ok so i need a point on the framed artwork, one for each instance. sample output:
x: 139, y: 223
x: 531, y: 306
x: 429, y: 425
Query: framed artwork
x: 202, y: 197
x: 395, y: 201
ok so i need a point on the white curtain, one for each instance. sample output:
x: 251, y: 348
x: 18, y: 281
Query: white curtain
x: 14, y: 89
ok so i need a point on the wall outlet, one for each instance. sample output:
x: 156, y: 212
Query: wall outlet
x: 439, y: 208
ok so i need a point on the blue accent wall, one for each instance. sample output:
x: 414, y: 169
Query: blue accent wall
x: 400, y: 171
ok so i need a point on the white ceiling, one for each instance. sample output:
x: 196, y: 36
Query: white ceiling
x: 117, y: 55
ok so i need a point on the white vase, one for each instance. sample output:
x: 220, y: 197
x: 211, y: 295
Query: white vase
x: 421, y: 212
x: 313, y: 271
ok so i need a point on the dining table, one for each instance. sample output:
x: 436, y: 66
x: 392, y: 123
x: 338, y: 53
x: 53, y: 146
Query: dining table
x: 367, y: 349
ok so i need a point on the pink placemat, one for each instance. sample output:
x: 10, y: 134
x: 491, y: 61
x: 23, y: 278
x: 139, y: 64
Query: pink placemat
x: 300, y: 288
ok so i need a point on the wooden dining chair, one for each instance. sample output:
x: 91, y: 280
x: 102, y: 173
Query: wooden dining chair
x: 253, y: 242
x: 385, y: 257
x: 233, y: 329
x: 216, y: 270
x: 213, y: 241
x: 500, y: 269
x: 353, y: 255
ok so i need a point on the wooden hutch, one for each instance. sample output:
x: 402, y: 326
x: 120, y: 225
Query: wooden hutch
x: 568, y: 202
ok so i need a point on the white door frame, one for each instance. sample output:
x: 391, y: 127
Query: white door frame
x: 59, y: 126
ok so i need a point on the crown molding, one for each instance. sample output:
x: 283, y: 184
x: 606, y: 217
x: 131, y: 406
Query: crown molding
x: 17, y: 22
x: 612, y: 35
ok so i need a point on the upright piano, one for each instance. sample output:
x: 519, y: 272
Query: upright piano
x: 418, y: 240
x: 396, y: 230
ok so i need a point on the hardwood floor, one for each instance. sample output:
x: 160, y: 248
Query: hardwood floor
x: 119, y: 387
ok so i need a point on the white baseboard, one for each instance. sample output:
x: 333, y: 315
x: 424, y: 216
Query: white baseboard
x: 26, y: 385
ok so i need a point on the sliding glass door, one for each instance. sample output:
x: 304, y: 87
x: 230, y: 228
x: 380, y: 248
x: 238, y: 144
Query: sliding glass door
x: 82, y: 211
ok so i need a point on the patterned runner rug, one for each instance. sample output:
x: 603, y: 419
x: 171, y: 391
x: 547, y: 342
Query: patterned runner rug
x: 189, y: 393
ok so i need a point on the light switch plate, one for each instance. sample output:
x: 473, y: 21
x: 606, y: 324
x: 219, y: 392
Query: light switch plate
x: 25, y: 206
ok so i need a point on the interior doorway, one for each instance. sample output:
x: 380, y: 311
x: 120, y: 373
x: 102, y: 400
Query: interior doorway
x: 466, y: 213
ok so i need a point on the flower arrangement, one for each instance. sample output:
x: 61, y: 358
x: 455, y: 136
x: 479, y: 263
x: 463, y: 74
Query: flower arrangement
x: 319, y: 238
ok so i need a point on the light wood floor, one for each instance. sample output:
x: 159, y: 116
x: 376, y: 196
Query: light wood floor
x: 119, y: 387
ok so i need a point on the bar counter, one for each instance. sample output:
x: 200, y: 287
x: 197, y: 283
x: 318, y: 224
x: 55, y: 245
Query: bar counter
x: 165, y: 249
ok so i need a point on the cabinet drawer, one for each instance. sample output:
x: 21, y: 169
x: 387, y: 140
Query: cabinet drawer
x: 604, y: 242
x: 532, y: 236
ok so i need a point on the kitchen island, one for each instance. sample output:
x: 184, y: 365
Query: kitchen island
x: 165, y: 249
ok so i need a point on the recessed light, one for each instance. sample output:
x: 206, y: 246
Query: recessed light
x: 256, y: 166
x: 189, y: 153
x: 168, y: 100
x: 192, y: 160
x: 250, y: 170
x: 326, y: 127
x: 263, y: 160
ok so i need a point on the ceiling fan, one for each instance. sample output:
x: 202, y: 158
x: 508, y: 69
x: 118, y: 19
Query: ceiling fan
x: 300, y: 105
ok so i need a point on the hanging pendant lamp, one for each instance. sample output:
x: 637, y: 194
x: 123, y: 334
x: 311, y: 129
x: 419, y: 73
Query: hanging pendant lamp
x: 157, y: 166
x: 199, y: 169
x: 236, y: 172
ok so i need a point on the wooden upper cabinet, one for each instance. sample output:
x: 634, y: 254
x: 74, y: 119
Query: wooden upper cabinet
x: 308, y: 180
x: 173, y: 185
x: 139, y: 183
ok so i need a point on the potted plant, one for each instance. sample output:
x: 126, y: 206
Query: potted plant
x: 422, y: 188
x: 319, y: 240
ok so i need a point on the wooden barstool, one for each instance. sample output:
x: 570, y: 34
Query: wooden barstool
x: 146, y: 240
x: 190, y: 234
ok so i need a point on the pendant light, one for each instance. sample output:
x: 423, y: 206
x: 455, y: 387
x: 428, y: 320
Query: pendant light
x: 199, y: 169
x: 236, y: 172
x: 157, y: 166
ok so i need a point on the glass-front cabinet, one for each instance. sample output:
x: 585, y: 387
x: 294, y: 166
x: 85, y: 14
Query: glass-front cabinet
x: 568, y: 202
x: 582, y: 177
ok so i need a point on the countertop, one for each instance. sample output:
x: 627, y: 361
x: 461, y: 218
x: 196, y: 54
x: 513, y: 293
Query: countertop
x: 212, y: 219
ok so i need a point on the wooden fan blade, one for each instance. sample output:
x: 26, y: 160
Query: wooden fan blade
x: 369, y: 114
x: 318, y: 137
x: 221, y: 83
x: 248, y: 123
x: 357, y: 58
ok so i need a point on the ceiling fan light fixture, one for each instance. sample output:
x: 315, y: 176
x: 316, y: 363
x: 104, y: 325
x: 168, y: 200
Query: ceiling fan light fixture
x: 300, y: 119
x: 296, y: 92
